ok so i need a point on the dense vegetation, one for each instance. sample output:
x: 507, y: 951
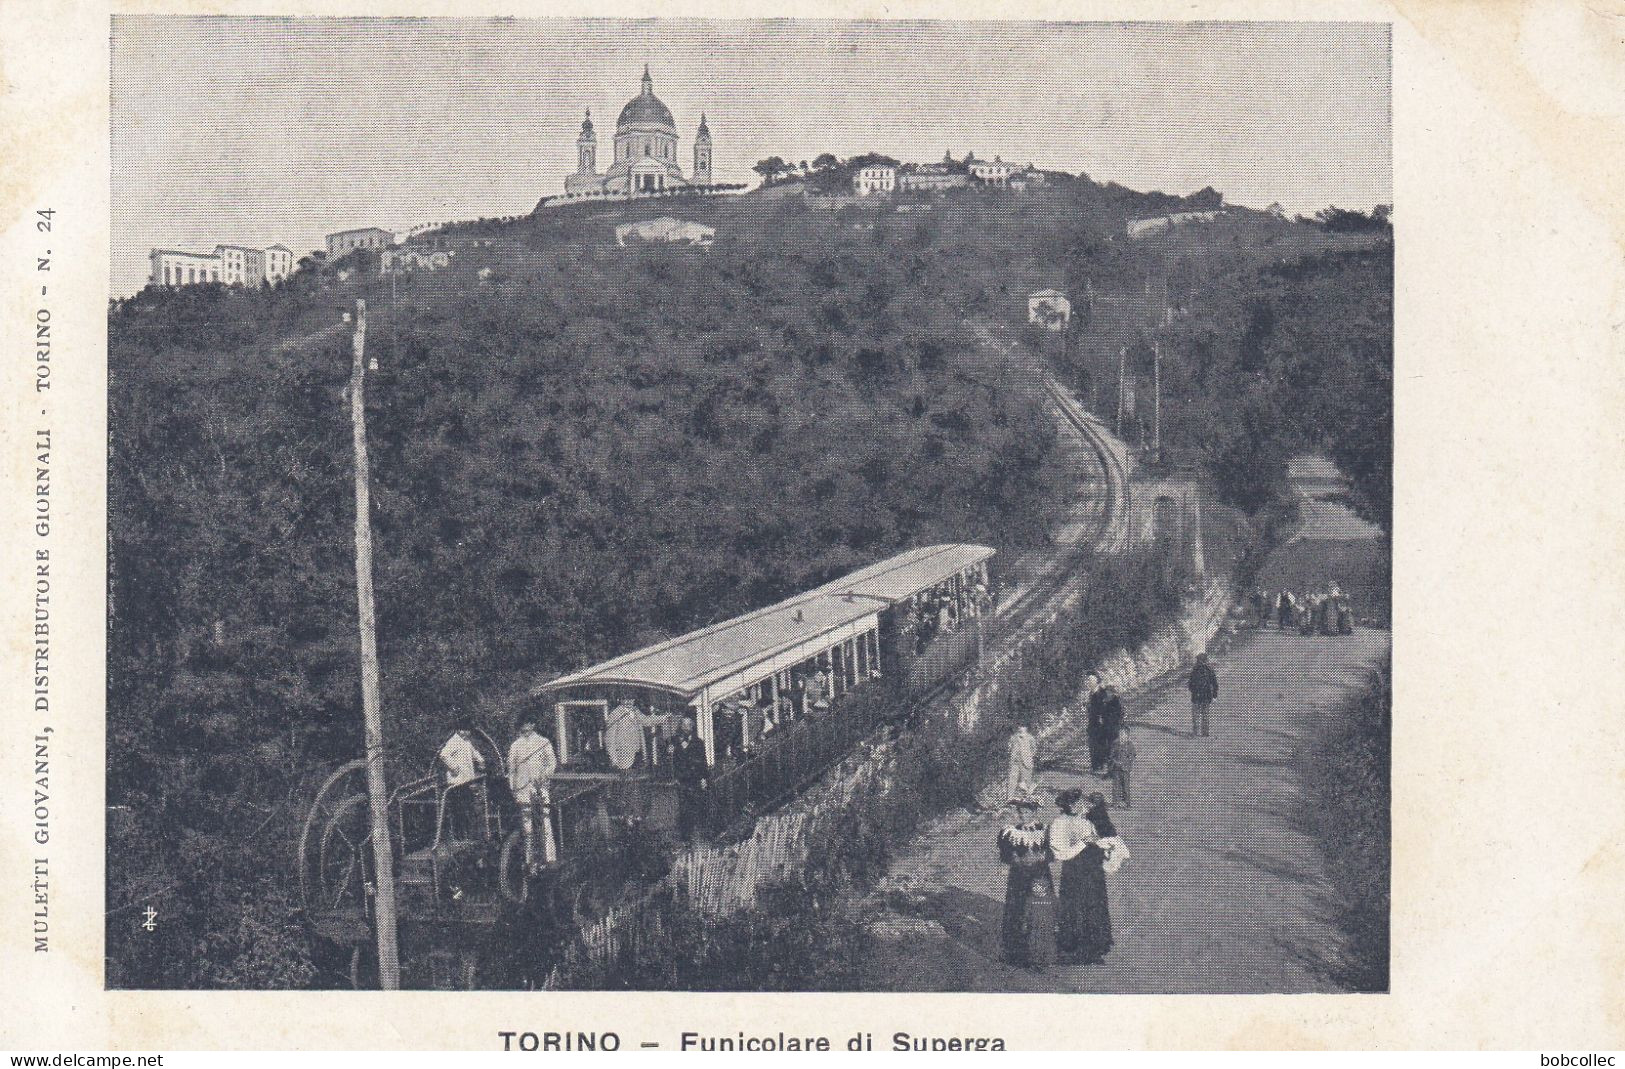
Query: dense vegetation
x: 1348, y: 811
x: 588, y: 449
x: 1274, y: 338
x: 578, y: 448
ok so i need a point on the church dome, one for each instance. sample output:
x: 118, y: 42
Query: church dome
x: 645, y: 109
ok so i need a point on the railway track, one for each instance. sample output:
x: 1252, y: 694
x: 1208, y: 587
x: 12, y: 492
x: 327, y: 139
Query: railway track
x: 1110, y: 531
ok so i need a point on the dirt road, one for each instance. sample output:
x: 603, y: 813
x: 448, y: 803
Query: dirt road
x: 1225, y: 892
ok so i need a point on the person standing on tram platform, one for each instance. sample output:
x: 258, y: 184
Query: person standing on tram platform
x: 458, y: 766
x: 689, y: 766
x: 531, y: 765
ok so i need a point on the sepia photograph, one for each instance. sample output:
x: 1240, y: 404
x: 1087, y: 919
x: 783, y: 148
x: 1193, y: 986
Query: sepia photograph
x: 750, y: 505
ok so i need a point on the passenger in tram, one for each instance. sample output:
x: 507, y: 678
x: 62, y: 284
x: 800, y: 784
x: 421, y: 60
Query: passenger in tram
x: 459, y: 767
x: 531, y: 765
x: 818, y: 692
x: 623, y: 735
x: 655, y: 727
x: 728, y: 719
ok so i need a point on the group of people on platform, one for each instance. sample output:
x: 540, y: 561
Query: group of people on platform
x: 531, y: 766
x: 1324, y: 611
x: 1086, y: 844
x: 532, y: 763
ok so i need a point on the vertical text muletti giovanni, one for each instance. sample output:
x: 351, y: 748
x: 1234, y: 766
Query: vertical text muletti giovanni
x: 40, y: 678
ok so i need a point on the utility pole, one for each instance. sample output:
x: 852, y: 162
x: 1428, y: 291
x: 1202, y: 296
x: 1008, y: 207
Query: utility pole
x: 383, y: 857
x: 1198, y: 561
x: 1122, y: 377
x: 1156, y: 402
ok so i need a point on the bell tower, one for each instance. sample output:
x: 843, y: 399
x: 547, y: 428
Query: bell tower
x: 587, y: 148
x: 702, y: 154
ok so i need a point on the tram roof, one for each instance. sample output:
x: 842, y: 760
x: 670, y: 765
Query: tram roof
x: 687, y: 664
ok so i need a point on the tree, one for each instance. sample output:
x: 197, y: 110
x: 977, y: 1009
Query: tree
x: 1346, y: 220
x: 1205, y: 199
x: 825, y: 161
x: 770, y: 169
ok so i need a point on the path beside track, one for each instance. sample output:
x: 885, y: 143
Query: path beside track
x: 1226, y: 892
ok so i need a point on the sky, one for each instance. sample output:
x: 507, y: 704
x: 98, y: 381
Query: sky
x: 256, y: 131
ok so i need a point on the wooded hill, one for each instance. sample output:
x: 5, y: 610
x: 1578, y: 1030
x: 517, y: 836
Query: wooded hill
x: 577, y: 448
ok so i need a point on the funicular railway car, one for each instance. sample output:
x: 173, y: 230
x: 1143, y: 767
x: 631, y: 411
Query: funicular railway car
x: 772, y: 696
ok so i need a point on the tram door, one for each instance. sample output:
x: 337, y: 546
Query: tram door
x: 580, y: 730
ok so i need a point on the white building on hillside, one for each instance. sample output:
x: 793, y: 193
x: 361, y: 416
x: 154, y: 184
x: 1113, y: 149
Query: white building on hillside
x: 278, y: 263
x: 995, y: 173
x: 234, y: 265
x: 367, y: 237
x: 241, y: 265
x: 413, y: 259
x: 664, y: 230
x: 1139, y: 228
x: 173, y: 267
x: 1045, y: 305
x: 875, y: 178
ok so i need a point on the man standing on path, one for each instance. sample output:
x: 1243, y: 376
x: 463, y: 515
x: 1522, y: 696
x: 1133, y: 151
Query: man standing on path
x: 1111, y: 722
x: 1023, y: 763
x: 1204, y: 687
x: 1121, y: 766
x: 1099, y: 742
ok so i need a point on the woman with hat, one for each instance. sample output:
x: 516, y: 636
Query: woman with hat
x: 1083, y: 925
x: 1024, y: 847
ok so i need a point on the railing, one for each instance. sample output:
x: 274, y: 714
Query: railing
x: 945, y: 652
x: 787, y: 759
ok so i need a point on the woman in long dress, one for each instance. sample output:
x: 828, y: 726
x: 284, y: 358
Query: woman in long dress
x: 1083, y: 923
x: 1023, y: 845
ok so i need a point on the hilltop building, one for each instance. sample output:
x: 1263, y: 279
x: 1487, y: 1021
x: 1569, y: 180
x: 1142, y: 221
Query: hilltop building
x: 996, y: 173
x: 664, y: 230
x: 1139, y: 228
x: 367, y: 237
x: 1049, y: 309
x: 645, y: 152
x: 875, y: 178
x: 234, y: 265
x: 928, y: 176
x: 413, y: 258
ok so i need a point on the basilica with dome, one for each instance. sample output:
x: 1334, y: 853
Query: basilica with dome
x: 645, y: 160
